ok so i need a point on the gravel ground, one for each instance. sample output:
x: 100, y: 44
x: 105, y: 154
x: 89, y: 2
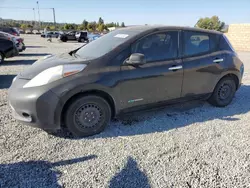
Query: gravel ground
x: 189, y: 145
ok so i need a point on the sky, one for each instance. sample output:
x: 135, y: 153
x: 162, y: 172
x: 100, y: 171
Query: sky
x: 132, y: 12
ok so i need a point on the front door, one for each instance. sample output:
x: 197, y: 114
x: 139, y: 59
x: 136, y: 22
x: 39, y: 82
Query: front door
x: 202, y: 63
x: 160, y: 78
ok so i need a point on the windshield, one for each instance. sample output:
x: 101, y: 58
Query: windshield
x: 105, y: 43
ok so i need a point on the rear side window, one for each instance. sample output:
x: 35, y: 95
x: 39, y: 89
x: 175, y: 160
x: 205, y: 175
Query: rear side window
x: 225, y: 44
x: 196, y: 43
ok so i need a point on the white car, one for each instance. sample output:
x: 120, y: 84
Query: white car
x: 18, y: 41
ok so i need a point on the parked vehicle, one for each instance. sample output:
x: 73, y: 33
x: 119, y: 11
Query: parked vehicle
x: 50, y: 34
x: 82, y: 36
x: 18, y: 41
x: 124, y: 71
x: 28, y: 31
x: 10, y: 30
x: 64, y: 37
x: 7, y: 48
x: 36, y: 32
x: 93, y: 37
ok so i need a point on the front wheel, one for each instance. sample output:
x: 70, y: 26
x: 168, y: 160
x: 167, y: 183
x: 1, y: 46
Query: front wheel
x: 223, y: 93
x: 87, y: 116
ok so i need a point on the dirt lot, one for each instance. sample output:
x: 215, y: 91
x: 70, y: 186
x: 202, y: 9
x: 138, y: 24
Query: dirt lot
x: 189, y: 145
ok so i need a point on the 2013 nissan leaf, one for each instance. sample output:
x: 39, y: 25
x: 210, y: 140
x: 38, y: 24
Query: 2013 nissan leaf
x: 126, y: 70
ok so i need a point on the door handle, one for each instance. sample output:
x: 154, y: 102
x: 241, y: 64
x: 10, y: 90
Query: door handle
x: 218, y: 60
x: 175, y: 68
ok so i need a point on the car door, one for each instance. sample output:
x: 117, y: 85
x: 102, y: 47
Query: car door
x: 201, y: 62
x: 71, y: 36
x: 160, y: 78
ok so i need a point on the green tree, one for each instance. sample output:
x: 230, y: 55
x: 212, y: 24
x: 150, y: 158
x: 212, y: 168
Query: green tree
x: 92, y: 26
x: 101, y: 27
x: 70, y: 26
x: 212, y: 23
x: 80, y: 27
x: 52, y: 27
x: 30, y: 26
x: 100, y: 21
x: 112, y: 24
x: 24, y: 26
x: 122, y: 24
x: 85, y: 24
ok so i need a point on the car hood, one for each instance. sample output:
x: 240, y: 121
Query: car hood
x: 50, y: 61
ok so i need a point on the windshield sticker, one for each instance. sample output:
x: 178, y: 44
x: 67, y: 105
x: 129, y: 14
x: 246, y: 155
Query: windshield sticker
x: 121, y: 36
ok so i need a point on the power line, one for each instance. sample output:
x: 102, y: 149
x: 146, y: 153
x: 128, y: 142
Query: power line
x: 15, y: 8
x: 25, y: 8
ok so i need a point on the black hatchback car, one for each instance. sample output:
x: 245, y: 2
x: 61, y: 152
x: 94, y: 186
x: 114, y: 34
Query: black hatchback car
x: 126, y: 70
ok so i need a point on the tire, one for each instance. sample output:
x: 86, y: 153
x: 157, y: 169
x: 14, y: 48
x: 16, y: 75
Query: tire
x: 81, y: 116
x: 223, y: 93
x: 1, y: 58
x: 64, y: 39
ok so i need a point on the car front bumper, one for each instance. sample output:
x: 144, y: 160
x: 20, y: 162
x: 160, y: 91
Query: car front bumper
x: 34, y: 106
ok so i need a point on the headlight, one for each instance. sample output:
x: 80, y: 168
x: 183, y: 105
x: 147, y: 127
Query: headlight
x: 54, y: 73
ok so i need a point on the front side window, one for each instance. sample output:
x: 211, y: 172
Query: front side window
x: 158, y: 47
x: 196, y: 43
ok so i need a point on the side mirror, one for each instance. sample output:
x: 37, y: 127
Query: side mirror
x: 135, y: 59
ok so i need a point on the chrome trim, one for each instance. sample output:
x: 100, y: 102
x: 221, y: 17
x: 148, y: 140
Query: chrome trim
x: 218, y: 60
x: 175, y: 68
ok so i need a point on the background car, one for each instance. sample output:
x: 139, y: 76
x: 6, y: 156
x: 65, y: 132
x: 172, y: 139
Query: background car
x: 93, y: 37
x: 50, y: 34
x: 7, y: 48
x: 71, y: 35
x: 36, y: 32
x: 10, y: 30
x: 18, y: 41
x: 82, y: 36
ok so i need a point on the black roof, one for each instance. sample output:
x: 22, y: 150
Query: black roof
x: 157, y: 27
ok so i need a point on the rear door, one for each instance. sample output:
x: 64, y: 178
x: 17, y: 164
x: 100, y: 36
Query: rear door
x: 160, y: 78
x: 201, y: 62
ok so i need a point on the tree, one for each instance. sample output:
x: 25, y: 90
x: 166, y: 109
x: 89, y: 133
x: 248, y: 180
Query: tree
x: 122, y: 24
x: 112, y: 24
x: 85, y: 24
x: 70, y: 26
x: 212, y: 23
x: 101, y: 21
x: 92, y: 26
x: 80, y: 27
x: 24, y: 26
x: 101, y: 27
x: 30, y: 26
x: 53, y: 28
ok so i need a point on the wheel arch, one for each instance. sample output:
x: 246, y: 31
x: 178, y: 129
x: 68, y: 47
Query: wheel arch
x: 231, y: 75
x: 94, y: 92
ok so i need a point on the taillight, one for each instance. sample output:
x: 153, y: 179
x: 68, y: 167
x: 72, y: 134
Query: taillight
x: 15, y: 34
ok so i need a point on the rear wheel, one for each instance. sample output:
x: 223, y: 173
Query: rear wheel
x: 87, y: 116
x: 64, y: 39
x: 1, y: 58
x: 223, y: 93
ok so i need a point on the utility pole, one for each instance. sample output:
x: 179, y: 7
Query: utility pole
x: 54, y: 15
x: 34, y: 16
x: 39, y: 15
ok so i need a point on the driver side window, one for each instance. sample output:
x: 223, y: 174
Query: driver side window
x: 158, y: 47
